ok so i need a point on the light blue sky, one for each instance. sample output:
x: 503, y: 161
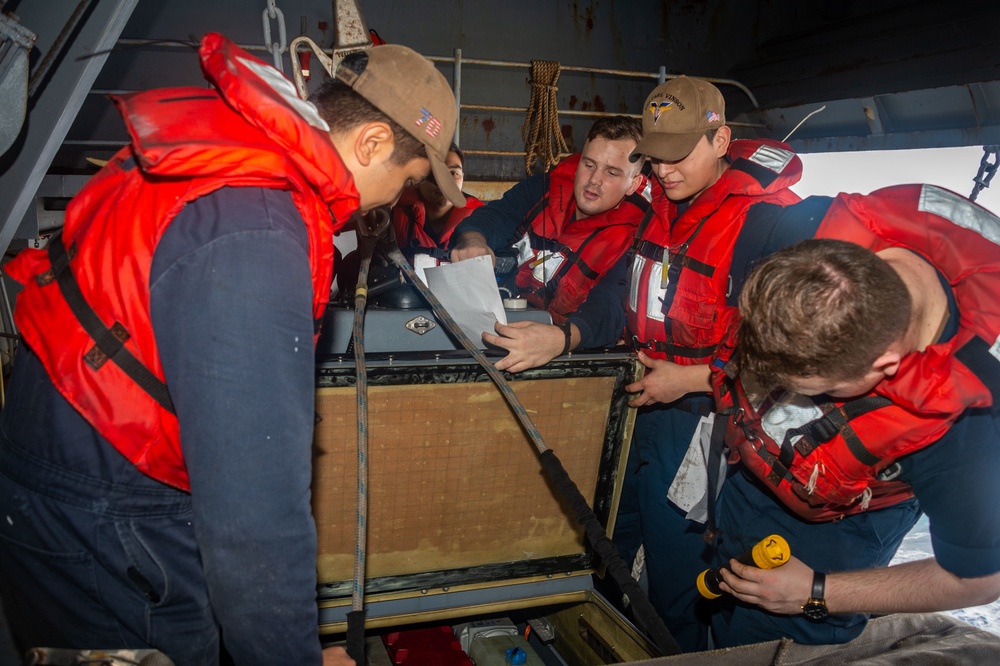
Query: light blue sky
x: 951, y: 168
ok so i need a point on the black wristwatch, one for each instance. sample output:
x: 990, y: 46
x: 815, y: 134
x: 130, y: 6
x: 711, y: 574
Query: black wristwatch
x: 815, y: 606
x: 568, y: 334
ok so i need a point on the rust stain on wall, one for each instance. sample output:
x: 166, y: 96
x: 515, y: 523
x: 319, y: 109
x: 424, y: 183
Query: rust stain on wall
x: 488, y: 126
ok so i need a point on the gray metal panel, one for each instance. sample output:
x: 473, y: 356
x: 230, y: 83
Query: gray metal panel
x: 964, y: 115
x: 456, y: 601
x: 396, y: 330
x: 55, y: 105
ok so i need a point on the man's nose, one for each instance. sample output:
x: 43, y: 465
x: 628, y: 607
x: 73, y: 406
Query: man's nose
x: 663, y: 169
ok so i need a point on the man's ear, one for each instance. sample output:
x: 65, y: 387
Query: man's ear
x: 720, y: 143
x: 637, y: 180
x: 888, y: 362
x: 375, y: 141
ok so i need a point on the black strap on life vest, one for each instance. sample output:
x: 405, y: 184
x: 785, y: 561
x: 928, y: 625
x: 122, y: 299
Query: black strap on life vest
x: 109, y: 342
x: 535, y: 211
x: 546, y: 292
x: 670, y: 348
x: 680, y: 261
x: 834, y: 422
x: 677, y: 261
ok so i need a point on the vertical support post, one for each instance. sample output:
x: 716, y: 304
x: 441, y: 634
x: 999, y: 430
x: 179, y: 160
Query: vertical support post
x: 457, y: 86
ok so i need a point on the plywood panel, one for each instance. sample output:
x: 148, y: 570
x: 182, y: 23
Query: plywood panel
x: 453, y: 480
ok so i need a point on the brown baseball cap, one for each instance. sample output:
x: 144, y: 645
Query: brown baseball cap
x: 675, y: 117
x: 408, y: 88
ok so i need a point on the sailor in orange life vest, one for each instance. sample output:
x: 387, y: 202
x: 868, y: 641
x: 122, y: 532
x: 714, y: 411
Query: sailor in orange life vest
x: 884, y: 334
x: 703, y: 185
x: 155, y: 476
x: 424, y: 218
x: 572, y: 228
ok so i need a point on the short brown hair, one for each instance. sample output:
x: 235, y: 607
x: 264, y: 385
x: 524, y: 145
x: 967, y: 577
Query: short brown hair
x: 821, y: 308
x: 453, y: 148
x: 343, y: 110
x: 616, y: 128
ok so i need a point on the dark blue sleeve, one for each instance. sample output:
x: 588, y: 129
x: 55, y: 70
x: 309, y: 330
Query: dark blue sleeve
x: 955, y: 482
x: 231, y: 301
x: 498, y: 220
x: 601, y: 318
x: 768, y: 228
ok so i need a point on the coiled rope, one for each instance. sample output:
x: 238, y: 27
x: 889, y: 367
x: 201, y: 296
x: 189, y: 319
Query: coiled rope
x: 543, y: 139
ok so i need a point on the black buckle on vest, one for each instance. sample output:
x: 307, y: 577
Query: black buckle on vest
x: 95, y: 358
x: 636, y: 344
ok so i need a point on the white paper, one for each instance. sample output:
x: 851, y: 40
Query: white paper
x: 468, y: 291
x: 689, y: 489
x: 421, y: 262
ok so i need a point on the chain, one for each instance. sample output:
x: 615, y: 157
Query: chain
x: 275, y: 48
x: 986, y: 170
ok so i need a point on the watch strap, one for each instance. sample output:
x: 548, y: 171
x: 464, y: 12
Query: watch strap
x: 568, y: 332
x: 819, y: 586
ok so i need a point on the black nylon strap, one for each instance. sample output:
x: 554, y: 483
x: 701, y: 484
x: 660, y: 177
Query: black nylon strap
x: 576, y: 258
x: 858, y: 449
x: 648, y: 249
x: 525, y: 226
x: 668, y: 347
x: 687, y: 263
x: 834, y: 422
x: 110, y: 342
x: 643, y: 223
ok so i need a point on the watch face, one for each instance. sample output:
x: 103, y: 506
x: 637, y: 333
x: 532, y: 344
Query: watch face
x: 815, y: 609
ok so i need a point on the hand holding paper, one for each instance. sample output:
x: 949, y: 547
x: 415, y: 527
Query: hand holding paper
x: 468, y: 290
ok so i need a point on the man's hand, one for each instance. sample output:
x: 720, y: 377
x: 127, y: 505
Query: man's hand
x: 920, y: 586
x: 336, y: 656
x: 529, y: 343
x: 472, y: 244
x: 665, y: 381
x: 780, y: 590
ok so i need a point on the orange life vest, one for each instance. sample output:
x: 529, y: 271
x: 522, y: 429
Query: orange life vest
x: 676, y: 307
x: 84, y: 309
x: 409, y: 221
x: 838, y: 458
x: 560, y: 258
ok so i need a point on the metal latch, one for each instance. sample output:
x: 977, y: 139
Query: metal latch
x: 421, y: 325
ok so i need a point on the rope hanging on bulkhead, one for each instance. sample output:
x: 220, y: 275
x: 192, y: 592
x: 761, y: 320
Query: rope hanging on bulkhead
x: 543, y: 139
